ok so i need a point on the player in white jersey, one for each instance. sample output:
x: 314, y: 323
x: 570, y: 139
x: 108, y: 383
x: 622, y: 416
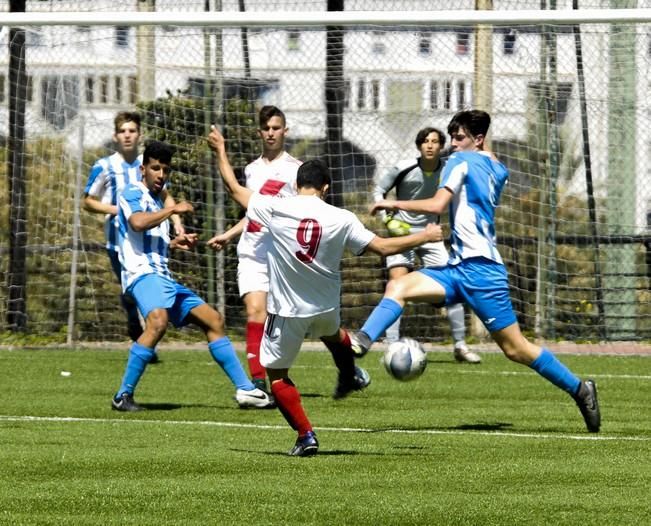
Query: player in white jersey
x: 308, y: 237
x: 273, y: 173
x: 418, y: 179
x: 471, y: 185
x: 144, y: 240
x: 108, y: 177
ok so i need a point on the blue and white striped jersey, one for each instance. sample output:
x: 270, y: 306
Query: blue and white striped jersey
x: 477, y: 181
x: 143, y: 252
x: 108, y: 177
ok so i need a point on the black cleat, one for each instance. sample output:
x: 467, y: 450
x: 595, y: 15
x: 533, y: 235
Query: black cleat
x: 360, y: 381
x: 587, y: 401
x: 125, y: 403
x: 360, y: 343
x: 306, y: 446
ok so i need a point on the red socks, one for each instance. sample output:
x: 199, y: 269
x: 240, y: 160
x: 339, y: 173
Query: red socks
x: 254, y: 331
x: 288, y: 401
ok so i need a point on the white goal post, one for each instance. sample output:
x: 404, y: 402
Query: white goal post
x: 567, y: 90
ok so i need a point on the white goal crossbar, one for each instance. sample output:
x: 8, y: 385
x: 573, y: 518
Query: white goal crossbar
x: 337, y: 18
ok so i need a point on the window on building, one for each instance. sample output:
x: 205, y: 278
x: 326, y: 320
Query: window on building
x: 447, y: 94
x: 133, y: 89
x: 461, y: 94
x: 59, y: 99
x: 122, y: 36
x: 378, y: 47
x: 361, y: 94
x: 104, y: 89
x: 117, y: 89
x: 425, y: 44
x: 508, y: 42
x: 293, y: 40
x: 90, y: 90
x: 30, y: 89
x: 463, y: 43
x: 434, y: 95
x: 347, y: 93
x: 375, y: 94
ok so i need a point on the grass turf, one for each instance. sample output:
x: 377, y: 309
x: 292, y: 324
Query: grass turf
x: 488, y: 444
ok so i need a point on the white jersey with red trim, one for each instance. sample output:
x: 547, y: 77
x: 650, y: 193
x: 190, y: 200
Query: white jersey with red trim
x: 308, y: 239
x: 277, y: 178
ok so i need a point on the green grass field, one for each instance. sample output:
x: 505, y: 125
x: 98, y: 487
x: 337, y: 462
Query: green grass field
x: 468, y: 445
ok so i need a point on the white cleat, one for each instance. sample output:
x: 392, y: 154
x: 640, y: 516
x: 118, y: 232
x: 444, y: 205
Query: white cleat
x: 256, y: 398
x: 463, y: 354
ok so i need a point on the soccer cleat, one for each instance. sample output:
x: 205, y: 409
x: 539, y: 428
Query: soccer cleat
x: 306, y: 446
x: 588, y: 404
x: 360, y: 381
x: 360, y: 343
x: 463, y: 354
x: 125, y: 403
x: 260, y: 383
x: 255, y: 398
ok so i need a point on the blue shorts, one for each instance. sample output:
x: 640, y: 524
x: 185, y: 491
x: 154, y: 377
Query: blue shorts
x: 153, y: 291
x: 482, y: 284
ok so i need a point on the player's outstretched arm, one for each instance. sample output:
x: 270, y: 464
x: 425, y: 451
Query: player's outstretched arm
x: 386, y: 246
x: 94, y: 205
x: 217, y: 143
x: 433, y: 205
x: 220, y: 241
x: 141, y: 221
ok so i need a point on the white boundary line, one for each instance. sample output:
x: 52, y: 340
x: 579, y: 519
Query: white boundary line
x: 237, y: 425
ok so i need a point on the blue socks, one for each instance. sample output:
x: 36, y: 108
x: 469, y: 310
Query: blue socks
x: 139, y: 357
x: 382, y: 317
x: 224, y: 354
x: 549, y: 367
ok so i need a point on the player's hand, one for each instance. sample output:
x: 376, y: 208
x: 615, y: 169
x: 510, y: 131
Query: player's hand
x: 433, y: 232
x: 179, y: 229
x: 216, y: 140
x: 218, y: 242
x: 396, y: 227
x: 184, y: 242
x: 184, y: 207
x: 384, y: 204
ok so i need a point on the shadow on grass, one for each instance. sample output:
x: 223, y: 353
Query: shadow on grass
x: 484, y: 426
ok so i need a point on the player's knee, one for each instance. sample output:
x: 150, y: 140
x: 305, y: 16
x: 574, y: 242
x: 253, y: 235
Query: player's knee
x: 157, y: 322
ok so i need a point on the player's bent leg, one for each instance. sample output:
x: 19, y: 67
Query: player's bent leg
x: 256, y: 314
x: 289, y: 403
x: 414, y: 286
x: 139, y: 357
x: 517, y: 348
x: 350, y: 377
x: 392, y: 333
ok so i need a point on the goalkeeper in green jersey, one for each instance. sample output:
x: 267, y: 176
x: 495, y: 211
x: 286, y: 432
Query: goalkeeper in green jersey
x: 418, y: 178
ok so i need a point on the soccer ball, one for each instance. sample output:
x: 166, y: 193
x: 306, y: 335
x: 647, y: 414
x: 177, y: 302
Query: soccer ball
x: 405, y: 359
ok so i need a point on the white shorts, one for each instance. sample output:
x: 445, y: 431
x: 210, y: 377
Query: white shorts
x: 283, y: 337
x: 430, y: 255
x: 252, y: 276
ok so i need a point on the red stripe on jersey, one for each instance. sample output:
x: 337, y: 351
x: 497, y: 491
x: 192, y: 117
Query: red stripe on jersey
x: 253, y: 226
x: 271, y: 187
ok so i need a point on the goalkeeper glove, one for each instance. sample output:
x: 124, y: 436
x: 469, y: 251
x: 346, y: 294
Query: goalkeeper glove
x: 396, y: 227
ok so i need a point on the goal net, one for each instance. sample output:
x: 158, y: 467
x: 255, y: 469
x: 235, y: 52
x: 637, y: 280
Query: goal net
x: 567, y: 90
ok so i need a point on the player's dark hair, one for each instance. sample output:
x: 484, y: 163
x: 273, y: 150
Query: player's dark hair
x: 313, y: 174
x: 161, y: 151
x: 266, y: 112
x: 126, y: 116
x: 475, y: 122
x: 422, y: 135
